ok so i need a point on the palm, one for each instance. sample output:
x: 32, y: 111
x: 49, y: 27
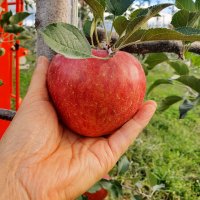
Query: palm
x: 53, y: 162
x: 56, y: 153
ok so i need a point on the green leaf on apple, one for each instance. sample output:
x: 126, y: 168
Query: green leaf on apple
x: 118, y: 7
x: 67, y: 40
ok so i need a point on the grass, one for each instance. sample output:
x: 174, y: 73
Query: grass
x: 165, y: 159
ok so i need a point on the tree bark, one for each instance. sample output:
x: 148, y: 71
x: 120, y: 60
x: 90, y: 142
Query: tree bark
x: 51, y: 11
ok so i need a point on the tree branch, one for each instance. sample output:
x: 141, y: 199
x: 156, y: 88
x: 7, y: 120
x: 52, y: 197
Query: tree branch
x: 176, y: 47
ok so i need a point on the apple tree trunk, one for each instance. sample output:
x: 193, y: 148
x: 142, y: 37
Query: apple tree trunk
x: 51, y: 11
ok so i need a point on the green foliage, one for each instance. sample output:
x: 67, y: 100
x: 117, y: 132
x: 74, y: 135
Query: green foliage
x: 168, y: 101
x: 97, y: 7
x: 13, y: 28
x: 5, y: 18
x: 179, y: 67
x: 118, y: 7
x: 120, y: 24
x: 185, y: 5
x: 137, y: 22
x: 87, y: 27
x: 185, y: 18
x: 157, y: 83
x: 67, y: 40
x: 96, y: 187
x: 10, y: 25
x: 154, y: 59
x: 113, y: 187
x: 18, y: 17
x: 1, y: 82
x: 190, y: 81
x: 2, y: 51
x: 123, y: 165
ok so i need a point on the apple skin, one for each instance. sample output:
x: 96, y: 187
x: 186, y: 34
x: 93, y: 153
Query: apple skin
x: 99, y: 195
x: 94, y: 97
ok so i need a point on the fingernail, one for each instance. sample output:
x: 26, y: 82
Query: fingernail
x: 152, y: 103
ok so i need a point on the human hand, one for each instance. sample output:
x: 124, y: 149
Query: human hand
x: 40, y: 159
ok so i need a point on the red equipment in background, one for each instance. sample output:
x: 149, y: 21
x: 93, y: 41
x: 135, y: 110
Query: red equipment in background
x: 9, y: 66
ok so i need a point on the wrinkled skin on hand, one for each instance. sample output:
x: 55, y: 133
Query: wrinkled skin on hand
x: 40, y: 159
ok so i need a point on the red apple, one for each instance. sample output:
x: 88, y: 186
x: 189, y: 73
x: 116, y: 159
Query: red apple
x: 94, y: 97
x: 99, y: 195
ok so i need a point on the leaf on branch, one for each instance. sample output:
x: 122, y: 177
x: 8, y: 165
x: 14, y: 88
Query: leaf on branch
x: 188, y: 31
x: 123, y: 165
x: 154, y: 59
x: 169, y: 101
x: 96, y: 187
x: 23, y: 37
x: 87, y: 27
x: 157, y: 83
x: 197, y: 5
x: 185, y: 5
x: 5, y: 18
x: 137, y: 22
x: 82, y: 198
x: 120, y: 24
x: 184, y: 18
x: 18, y: 17
x: 184, y: 34
x: 118, y: 7
x: 13, y: 29
x: 132, y: 39
x: 2, y: 51
x: 113, y: 186
x: 190, y: 81
x: 180, y: 68
x: 97, y: 7
x: 67, y: 40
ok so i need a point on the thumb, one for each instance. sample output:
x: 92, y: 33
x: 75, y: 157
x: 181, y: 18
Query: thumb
x: 37, y: 87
